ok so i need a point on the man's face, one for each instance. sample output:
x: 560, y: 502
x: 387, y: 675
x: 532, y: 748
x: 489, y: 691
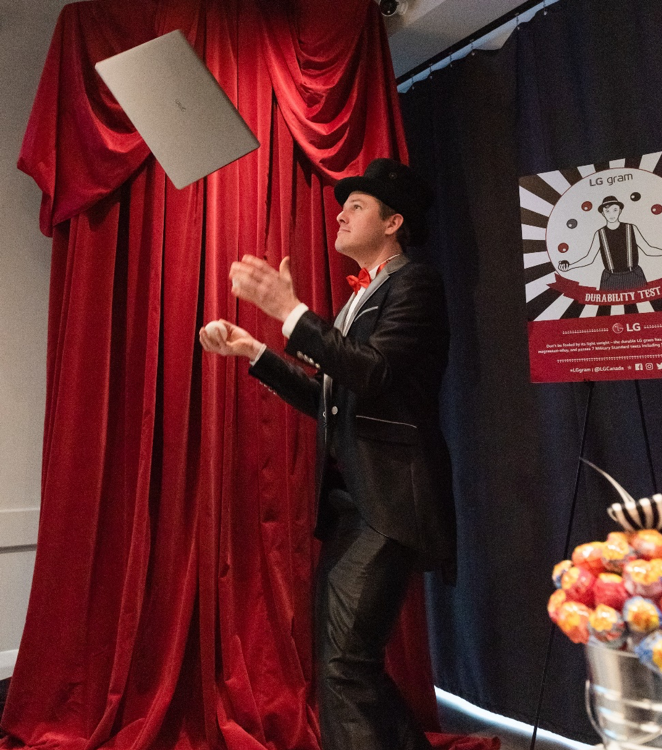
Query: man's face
x: 611, y: 213
x: 362, y: 231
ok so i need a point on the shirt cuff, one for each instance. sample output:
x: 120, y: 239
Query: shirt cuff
x: 258, y: 355
x: 293, y: 318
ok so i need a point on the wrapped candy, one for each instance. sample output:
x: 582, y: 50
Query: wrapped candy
x: 616, y: 552
x: 606, y: 625
x: 648, y: 543
x: 559, y: 570
x: 572, y: 618
x: 610, y: 590
x: 554, y: 603
x: 610, y: 593
x: 649, y: 651
x: 641, y: 615
x: 623, y: 536
x: 578, y: 585
x: 643, y: 578
x: 589, y: 556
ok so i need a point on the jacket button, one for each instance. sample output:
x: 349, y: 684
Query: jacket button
x: 334, y: 410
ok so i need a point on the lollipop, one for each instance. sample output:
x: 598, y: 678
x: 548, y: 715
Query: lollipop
x: 555, y: 601
x: 606, y: 625
x: 589, y: 556
x: 572, y: 618
x: 648, y: 543
x: 617, y: 552
x: 620, y: 578
x: 559, y: 570
x: 649, y: 651
x: 643, y: 577
x: 578, y: 585
x: 609, y: 590
x: 641, y: 615
x: 619, y: 536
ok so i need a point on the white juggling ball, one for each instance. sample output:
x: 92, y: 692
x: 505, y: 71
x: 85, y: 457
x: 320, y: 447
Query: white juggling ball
x: 216, y: 327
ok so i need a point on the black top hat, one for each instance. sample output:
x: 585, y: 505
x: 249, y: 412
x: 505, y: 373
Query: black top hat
x: 610, y: 200
x: 396, y: 185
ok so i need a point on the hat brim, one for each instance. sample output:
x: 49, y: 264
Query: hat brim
x: 348, y: 185
x: 611, y: 203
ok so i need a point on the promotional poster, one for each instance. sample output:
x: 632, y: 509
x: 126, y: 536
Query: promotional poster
x: 592, y: 240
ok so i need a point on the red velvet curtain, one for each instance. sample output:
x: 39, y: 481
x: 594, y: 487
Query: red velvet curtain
x: 171, y: 598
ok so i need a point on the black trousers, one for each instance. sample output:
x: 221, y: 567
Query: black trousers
x: 362, y: 581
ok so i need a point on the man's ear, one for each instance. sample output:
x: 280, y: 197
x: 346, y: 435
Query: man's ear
x: 393, y: 223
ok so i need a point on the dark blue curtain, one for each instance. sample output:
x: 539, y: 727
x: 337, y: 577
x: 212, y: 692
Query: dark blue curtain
x: 581, y: 84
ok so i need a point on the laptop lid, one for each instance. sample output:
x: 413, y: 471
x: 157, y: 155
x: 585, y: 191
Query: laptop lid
x: 177, y: 106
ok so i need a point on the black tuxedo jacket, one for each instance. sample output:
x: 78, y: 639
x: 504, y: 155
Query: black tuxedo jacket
x: 376, y: 402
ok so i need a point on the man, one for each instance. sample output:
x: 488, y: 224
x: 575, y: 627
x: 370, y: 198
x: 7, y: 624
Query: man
x: 383, y: 472
x: 618, y: 243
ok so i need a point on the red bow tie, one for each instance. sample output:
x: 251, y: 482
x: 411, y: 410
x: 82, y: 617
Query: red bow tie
x: 364, y: 278
x: 361, y: 281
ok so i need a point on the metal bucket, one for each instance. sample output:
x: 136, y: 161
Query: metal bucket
x: 623, y: 699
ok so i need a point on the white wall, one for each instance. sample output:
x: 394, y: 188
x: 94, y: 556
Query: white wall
x: 26, y: 27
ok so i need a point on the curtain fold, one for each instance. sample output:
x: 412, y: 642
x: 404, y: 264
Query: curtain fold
x: 332, y: 77
x: 171, y: 599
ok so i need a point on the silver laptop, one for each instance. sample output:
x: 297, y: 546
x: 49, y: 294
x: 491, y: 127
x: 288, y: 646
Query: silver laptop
x: 176, y: 105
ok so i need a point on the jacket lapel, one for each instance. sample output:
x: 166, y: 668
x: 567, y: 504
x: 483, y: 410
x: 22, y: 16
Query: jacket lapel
x: 340, y: 318
x: 327, y: 381
x: 343, y: 321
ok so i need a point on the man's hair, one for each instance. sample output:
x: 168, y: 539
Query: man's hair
x: 403, y: 235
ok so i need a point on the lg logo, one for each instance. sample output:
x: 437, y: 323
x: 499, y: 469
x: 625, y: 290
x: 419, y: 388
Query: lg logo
x: 619, y: 328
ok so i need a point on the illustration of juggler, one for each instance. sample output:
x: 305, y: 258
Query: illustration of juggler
x: 385, y: 505
x: 618, y: 244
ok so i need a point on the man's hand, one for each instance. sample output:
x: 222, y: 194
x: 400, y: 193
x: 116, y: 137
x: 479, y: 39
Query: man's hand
x: 239, y: 343
x: 254, y: 280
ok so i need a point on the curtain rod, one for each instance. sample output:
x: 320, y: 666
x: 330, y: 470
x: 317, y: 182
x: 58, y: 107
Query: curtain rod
x: 508, y: 21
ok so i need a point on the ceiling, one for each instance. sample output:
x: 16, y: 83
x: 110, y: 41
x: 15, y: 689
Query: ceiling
x: 431, y: 26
